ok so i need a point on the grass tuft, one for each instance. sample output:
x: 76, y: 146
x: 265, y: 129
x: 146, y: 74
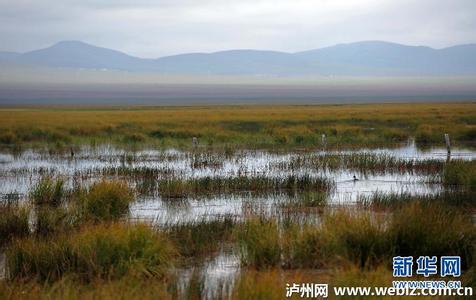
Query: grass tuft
x: 203, y: 237
x: 13, y: 222
x: 180, y: 188
x: 48, y: 191
x: 259, y: 243
x: 100, y: 251
x: 460, y: 174
x: 107, y: 200
x: 432, y: 229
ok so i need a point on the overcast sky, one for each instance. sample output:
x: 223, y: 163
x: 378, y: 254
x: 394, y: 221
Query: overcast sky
x: 150, y: 28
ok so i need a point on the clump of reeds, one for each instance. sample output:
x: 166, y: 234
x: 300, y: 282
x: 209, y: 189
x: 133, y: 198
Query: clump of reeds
x: 54, y: 220
x: 178, y: 188
x: 106, y: 200
x: 364, y: 239
x: 460, y: 174
x: 202, y: 237
x: 303, y: 247
x: 341, y: 237
x: 259, y: 243
x: 48, y: 191
x: 307, y: 199
x: 365, y: 162
x: 432, y: 229
x: 175, y: 188
x: 136, y: 172
x: 381, y: 201
x: 13, y: 222
x: 358, y: 237
x: 100, y: 251
x: 200, y: 160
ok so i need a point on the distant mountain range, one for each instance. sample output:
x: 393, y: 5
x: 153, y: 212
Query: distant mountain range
x: 368, y: 58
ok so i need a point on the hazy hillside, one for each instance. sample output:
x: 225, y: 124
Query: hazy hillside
x: 233, y: 62
x: 370, y: 58
x: 73, y: 54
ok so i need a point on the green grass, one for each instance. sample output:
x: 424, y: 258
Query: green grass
x: 361, y: 162
x: 358, y: 238
x: 181, y: 188
x: 54, y: 220
x: 343, y: 236
x: 48, y: 191
x: 106, y: 200
x: 259, y: 243
x: 390, y: 201
x: 307, y: 199
x: 460, y: 174
x: 202, y: 237
x: 100, y: 251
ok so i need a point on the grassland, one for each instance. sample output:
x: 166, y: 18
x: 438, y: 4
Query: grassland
x: 240, y: 126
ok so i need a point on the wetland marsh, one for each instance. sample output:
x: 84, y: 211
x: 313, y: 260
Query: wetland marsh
x: 95, y: 200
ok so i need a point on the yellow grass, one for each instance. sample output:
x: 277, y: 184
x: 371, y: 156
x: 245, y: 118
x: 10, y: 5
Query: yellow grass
x: 240, y: 125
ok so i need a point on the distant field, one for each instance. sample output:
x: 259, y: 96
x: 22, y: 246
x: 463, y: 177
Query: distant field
x: 240, y: 126
x: 66, y: 87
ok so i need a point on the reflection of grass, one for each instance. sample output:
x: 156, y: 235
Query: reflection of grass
x: 248, y: 126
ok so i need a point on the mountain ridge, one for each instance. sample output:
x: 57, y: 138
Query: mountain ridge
x: 365, y: 58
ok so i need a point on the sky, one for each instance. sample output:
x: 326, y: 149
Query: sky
x: 151, y: 29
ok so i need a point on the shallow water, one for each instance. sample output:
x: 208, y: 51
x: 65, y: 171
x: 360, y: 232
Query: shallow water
x: 19, y: 172
x: 218, y: 276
